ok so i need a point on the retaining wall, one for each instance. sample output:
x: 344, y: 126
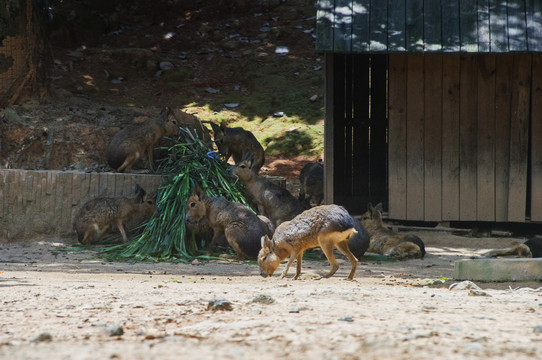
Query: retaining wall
x: 40, y: 202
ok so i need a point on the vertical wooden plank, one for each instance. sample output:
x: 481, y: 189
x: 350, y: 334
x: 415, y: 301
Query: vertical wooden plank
x: 8, y: 208
x: 58, y: 194
x: 104, y: 188
x: 129, y: 185
x: 519, y: 138
x: 379, y: 26
x: 483, y: 26
x: 397, y: 136
x: 329, y: 134
x: 85, y: 188
x: 450, y: 26
x: 396, y: 27
x: 360, y: 26
x: 534, y: 24
x: 498, y: 26
x: 43, y: 191
x: 503, y: 105
x: 432, y: 25
x: 468, y: 138
x: 468, y: 26
x: 486, y: 138
x: 517, y: 25
x: 324, y: 25
x: 3, y: 175
x: 67, y: 203
x: 94, y: 186
x: 361, y: 126
x: 348, y: 123
x: 536, y: 139
x: 339, y: 140
x: 76, y: 188
x: 342, y: 26
x: 433, y: 138
x: 415, y: 137
x: 18, y: 194
x: 414, y: 26
x: 51, y: 195
x: 378, y: 130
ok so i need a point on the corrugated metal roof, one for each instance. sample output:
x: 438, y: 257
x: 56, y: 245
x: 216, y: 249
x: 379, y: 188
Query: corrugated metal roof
x: 416, y: 26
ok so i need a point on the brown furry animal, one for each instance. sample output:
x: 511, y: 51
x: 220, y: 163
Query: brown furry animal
x: 97, y: 216
x: 273, y: 201
x: 386, y: 242
x: 326, y: 226
x: 237, y: 142
x: 311, y: 180
x: 531, y: 248
x: 130, y: 143
x: 242, y: 228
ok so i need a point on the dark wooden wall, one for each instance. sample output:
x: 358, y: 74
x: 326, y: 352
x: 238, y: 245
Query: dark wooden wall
x: 465, y: 137
x: 356, y: 130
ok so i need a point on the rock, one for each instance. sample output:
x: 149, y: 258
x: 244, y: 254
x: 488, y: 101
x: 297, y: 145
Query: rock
x: 43, y: 337
x: 282, y: 50
x: 116, y: 330
x: 151, y: 64
x: 538, y: 329
x: 476, y: 292
x: 219, y: 304
x: 231, y: 105
x: 263, y: 299
x: 196, y: 262
x: 313, y: 98
x: 166, y: 65
x: 11, y: 116
x: 464, y: 285
x: 231, y: 44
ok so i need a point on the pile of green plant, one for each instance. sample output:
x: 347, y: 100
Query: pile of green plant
x: 164, y: 235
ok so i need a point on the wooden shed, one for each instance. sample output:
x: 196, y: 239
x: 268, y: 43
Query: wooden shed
x: 434, y: 107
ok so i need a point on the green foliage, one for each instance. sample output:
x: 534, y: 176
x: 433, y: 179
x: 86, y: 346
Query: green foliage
x: 164, y: 237
x: 177, y: 75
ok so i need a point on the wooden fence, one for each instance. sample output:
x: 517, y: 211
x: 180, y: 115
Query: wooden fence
x: 465, y: 137
x: 34, y: 202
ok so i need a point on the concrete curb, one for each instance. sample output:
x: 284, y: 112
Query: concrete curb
x: 498, y: 269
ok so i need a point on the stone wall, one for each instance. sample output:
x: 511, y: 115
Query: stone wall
x: 34, y: 202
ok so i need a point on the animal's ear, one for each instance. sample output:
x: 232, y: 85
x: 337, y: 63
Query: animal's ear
x: 198, y: 191
x: 140, y: 192
x: 379, y: 207
x: 370, y: 207
x: 377, y: 217
x: 266, y: 242
x: 214, y: 126
x: 249, y: 158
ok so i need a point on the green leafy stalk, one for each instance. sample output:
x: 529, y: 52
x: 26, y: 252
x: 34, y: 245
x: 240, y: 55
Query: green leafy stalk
x: 164, y: 237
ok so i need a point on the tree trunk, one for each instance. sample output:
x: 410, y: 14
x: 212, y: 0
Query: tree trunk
x: 25, y: 52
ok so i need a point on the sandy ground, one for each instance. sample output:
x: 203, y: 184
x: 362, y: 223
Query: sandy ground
x: 58, y: 305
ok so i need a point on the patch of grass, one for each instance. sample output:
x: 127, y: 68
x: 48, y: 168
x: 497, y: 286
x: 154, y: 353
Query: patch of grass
x: 275, y: 85
x: 177, y: 75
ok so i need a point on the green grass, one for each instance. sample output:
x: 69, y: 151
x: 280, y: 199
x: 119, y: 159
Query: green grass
x: 278, y: 85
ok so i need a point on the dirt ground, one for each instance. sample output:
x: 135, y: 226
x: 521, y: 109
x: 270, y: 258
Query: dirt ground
x: 68, y: 305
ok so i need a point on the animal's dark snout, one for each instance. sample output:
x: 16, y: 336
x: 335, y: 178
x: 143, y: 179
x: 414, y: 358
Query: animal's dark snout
x: 190, y: 220
x: 263, y: 273
x: 230, y: 171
